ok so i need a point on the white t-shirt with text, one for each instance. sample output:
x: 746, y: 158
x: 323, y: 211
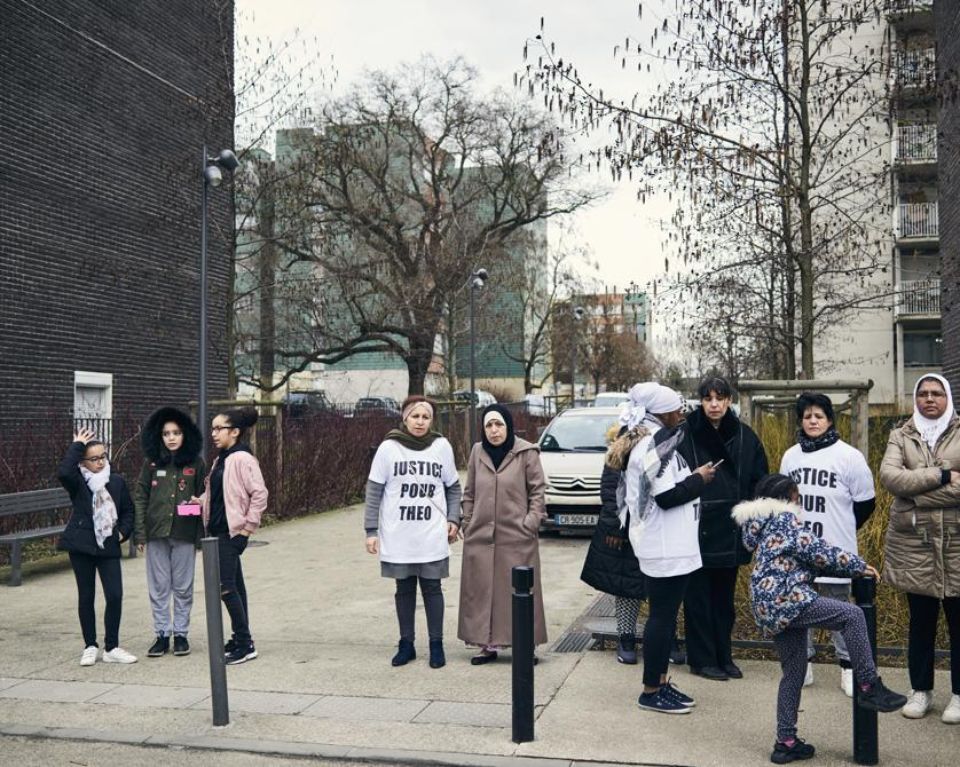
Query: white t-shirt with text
x: 413, y: 512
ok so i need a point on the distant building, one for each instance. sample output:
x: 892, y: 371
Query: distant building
x: 104, y: 109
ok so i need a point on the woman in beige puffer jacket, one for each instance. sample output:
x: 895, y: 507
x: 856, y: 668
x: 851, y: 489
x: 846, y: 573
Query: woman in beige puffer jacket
x: 921, y: 468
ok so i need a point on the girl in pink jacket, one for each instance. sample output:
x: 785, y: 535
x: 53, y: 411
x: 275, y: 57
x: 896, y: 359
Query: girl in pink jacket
x: 233, y: 502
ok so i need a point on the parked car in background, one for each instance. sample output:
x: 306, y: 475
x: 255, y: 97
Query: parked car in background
x: 481, y: 400
x: 376, y: 406
x: 301, y: 404
x: 610, y: 399
x: 538, y: 404
x: 572, y: 449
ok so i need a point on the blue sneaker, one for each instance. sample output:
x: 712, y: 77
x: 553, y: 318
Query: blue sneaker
x: 662, y: 702
x: 671, y: 689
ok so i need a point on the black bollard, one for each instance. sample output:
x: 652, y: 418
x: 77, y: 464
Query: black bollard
x: 522, y: 654
x: 866, y: 748
x: 218, y: 666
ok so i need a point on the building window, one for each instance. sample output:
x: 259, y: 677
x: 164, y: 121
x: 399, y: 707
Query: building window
x: 922, y: 349
x: 93, y: 403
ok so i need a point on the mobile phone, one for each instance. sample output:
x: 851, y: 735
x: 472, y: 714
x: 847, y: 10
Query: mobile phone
x: 715, y: 465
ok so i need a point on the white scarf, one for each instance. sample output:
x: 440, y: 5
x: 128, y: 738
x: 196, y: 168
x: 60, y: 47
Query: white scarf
x: 649, y: 397
x: 104, y: 509
x: 931, y: 428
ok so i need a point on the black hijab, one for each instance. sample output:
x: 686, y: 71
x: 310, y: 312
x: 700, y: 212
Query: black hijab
x: 498, y: 452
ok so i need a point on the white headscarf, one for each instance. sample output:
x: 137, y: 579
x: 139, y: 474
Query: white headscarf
x: 649, y: 397
x: 104, y: 509
x: 931, y: 428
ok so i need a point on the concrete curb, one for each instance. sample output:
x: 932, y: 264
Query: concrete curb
x: 298, y: 749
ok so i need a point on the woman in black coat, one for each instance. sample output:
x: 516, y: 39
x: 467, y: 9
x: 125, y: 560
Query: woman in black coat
x: 715, y: 434
x: 611, y: 566
x: 101, y: 520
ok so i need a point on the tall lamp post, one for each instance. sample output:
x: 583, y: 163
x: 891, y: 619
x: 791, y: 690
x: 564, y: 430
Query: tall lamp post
x: 477, y: 280
x: 212, y: 171
x: 578, y: 312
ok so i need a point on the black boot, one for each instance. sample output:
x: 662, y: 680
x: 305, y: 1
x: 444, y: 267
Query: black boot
x: 160, y: 647
x: 437, y: 658
x: 405, y: 653
x: 627, y: 649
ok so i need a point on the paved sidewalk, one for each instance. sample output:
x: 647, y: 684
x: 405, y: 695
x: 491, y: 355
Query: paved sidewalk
x: 323, y: 686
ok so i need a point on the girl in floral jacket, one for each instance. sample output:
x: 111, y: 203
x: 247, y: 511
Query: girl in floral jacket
x: 785, y: 604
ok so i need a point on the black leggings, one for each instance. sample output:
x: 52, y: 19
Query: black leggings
x: 664, y: 596
x: 85, y: 569
x: 406, y: 600
x: 924, y: 614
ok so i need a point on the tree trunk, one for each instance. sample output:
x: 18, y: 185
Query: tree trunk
x: 805, y: 257
x: 268, y: 289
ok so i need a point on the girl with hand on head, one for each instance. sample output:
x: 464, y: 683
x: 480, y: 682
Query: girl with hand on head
x: 167, y: 525
x: 412, y: 516
x: 102, y: 519
x: 233, y: 503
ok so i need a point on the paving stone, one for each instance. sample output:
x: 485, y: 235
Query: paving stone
x: 264, y: 702
x: 471, y: 714
x: 57, y: 692
x: 6, y: 682
x: 152, y: 696
x: 365, y: 709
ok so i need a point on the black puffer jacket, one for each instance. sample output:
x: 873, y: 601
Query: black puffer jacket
x: 611, y: 566
x: 744, y: 463
x: 79, y: 535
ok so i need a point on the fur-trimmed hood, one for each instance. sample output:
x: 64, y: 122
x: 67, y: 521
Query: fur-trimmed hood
x: 762, y: 508
x: 619, y: 450
x: 151, y: 439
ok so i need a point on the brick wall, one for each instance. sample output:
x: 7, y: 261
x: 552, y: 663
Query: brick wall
x: 100, y: 198
x: 948, y: 63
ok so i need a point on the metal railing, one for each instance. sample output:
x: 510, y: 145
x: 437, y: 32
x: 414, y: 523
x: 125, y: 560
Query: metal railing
x: 907, y: 6
x: 918, y: 219
x: 917, y: 68
x: 919, y: 297
x: 916, y: 143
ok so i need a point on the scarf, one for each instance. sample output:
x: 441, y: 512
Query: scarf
x: 813, y: 444
x: 498, y: 452
x: 104, y: 509
x: 658, y: 454
x: 406, y: 439
x: 932, y: 428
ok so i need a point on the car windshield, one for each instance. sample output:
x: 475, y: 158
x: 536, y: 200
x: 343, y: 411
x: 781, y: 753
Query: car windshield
x: 577, y: 433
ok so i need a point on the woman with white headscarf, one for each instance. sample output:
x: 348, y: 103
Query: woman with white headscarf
x: 661, y: 502
x: 921, y: 468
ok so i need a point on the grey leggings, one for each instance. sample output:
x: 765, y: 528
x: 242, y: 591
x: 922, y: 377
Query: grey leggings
x: 406, y: 600
x: 791, y: 643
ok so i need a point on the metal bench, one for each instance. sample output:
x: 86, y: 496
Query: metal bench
x: 32, y: 502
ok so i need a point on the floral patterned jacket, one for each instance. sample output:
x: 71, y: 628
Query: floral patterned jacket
x: 788, y: 559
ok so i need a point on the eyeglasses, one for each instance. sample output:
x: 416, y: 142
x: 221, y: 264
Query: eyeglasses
x: 931, y: 395
x: 96, y: 458
x: 218, y: 429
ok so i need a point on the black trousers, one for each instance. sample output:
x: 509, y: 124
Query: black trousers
x: 233, y: 590
x: 708, y: 615
x: 85, y: 569
x: 664, y: 596
x: 924, y: 614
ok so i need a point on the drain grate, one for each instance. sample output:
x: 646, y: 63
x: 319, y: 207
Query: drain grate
x: 573, y: 641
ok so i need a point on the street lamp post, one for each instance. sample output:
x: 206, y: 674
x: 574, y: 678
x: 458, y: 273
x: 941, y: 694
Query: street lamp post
x: 477, y: 280
x: 578, y: 312
x: 212, y: 176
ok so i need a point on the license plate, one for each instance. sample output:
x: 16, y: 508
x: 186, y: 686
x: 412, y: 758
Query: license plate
x: 576, y: 520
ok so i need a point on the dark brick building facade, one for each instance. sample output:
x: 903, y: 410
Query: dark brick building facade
x: 948, y: 63
x: 104, y: 108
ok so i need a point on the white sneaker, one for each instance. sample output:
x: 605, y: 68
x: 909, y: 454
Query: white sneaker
x: 808, y: 677
x: 846, y: 681
x: 89, y: 656
x: 951, y: 714
x: 918, y: 704
x: 119, y: 655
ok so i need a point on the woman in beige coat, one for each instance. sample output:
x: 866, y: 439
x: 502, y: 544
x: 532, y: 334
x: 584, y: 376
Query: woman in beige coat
x: 503, y: 505
x: 921, y: 467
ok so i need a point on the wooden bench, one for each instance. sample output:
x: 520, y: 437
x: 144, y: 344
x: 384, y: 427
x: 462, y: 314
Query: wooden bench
x: 32, y: 502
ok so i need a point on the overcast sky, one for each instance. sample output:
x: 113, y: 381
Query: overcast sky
x: 622, y: 235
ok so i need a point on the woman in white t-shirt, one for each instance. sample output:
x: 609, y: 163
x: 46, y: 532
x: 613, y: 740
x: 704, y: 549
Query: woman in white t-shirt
x: 837, y: 498
x: 412, y: 515
x: 661, y: 501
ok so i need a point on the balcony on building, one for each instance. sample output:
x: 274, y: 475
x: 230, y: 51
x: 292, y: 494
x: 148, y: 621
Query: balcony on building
x: 917, y: 222
x: 918, y: 299
x: 910, y: 14
x: 915, y: 149
x: 916, y: 72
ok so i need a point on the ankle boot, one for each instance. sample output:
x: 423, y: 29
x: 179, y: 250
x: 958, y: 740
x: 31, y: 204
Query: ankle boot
x: 627, y: 649
x: 437, y: 658
x: 405, y: 653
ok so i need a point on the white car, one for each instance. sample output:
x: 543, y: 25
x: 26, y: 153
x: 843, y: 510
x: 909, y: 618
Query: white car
x: 610, y: 399
x: 572, y: 449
